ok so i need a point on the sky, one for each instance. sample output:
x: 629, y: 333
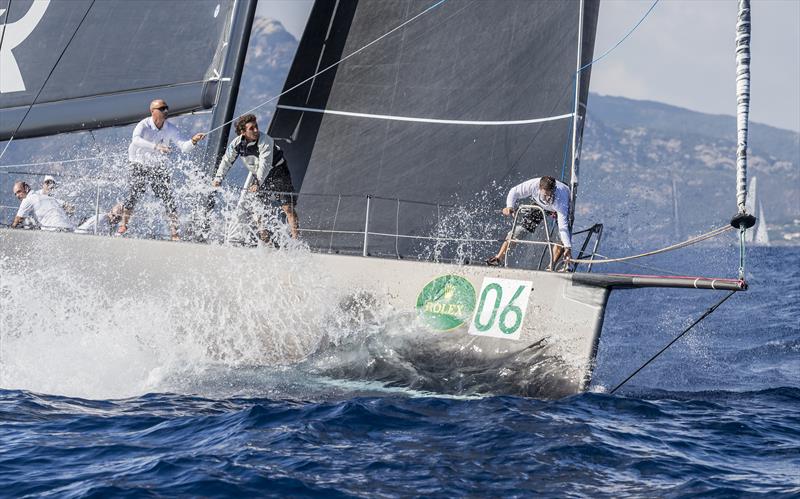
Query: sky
x: 682, y: 54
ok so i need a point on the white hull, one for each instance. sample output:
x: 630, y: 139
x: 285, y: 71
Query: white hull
x: 283, y: 292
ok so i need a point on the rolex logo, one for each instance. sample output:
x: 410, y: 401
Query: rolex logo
x: 12, y: 35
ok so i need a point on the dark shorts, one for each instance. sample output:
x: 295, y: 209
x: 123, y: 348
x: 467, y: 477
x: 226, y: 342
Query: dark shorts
x: 278, y: 187
x: 159, y: 180
x: 527, y: 221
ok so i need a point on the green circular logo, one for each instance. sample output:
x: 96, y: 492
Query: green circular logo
x: 446, y: 302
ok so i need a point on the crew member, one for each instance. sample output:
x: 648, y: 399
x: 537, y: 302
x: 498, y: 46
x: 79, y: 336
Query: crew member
x: 147, y: 154
x: 554, y: 197
x: 265, y: 160
x: 44, y: 210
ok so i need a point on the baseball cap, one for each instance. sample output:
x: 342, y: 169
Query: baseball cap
x: 49, y: 178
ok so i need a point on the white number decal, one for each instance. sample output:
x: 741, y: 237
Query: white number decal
x: 501, y: 307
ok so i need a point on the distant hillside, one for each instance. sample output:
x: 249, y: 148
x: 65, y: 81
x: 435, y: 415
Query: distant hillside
x: 633, y: 150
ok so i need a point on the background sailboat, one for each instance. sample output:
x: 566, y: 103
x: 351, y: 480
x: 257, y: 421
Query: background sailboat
x: 759, y: 234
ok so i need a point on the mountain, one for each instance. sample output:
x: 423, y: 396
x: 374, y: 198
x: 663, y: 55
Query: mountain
x: 633, y: 150
x: 269, y: 57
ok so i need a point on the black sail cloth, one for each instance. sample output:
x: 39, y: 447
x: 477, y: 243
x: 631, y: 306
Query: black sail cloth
x: 124, y: 54
x: 463, y: 61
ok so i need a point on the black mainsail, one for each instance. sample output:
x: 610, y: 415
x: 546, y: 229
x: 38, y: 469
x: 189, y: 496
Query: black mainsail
x: 469, y: 98
x: 82, y: 64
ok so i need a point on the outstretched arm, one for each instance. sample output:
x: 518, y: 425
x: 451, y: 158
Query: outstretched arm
x: 519, y: 191
x: 225, y: 164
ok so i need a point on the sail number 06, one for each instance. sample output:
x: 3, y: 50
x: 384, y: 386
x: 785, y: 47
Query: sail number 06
x: 501, y: 308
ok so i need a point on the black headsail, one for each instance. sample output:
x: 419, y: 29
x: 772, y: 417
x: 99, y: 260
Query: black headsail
x: 471, y: 97
x: 107, y: 57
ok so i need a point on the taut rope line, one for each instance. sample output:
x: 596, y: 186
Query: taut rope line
x: 651, y: 359
x: 688, y: 242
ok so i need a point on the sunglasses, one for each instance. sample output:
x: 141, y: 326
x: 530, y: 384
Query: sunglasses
x: 163, y: 109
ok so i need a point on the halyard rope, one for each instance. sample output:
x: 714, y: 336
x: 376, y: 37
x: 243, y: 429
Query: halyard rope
x: 688, y: 242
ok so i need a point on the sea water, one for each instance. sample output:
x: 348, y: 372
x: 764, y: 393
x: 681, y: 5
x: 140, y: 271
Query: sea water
x: 110, y: 408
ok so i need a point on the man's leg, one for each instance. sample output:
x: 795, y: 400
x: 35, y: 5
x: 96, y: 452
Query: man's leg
x: 501, y: 254
x: 160, y: 181
x: 557, y: 252
x: 291, y: 218
x: 137, y: 185
x: 526, y: 222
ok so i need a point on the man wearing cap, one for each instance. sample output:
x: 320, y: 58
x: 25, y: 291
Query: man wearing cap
x: 48, y: 186
x: 147, y: 154
x: 45, y: 210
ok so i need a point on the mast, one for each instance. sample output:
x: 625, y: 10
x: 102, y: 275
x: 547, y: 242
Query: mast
x: 742, y: 220
x: 243, y: 14
x: 742, y: 101
x: 576, y: 118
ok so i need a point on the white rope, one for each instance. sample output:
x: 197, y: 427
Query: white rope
x: 427, y: 120
x: 688, y: 242
x: 409, y: 21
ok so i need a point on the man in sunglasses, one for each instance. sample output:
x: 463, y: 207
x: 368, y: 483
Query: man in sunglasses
x: 148, y: 154
x: 554, y: 197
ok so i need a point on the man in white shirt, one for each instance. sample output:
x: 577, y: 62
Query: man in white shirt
x: 48, y: 188
x: 45, y: 210
x: 554, y: 197
x: 104, y: 223
x: 48, y: 185
x: 147, y: 154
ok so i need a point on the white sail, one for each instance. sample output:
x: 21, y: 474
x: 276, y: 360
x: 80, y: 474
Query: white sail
x: 761, y: 236
x: 751, y: 208
x: 758, y: 233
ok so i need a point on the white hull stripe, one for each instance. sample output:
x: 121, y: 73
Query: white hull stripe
x: 426, y: 120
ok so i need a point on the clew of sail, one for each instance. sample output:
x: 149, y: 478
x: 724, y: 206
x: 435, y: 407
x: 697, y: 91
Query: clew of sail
x: 82, y: 64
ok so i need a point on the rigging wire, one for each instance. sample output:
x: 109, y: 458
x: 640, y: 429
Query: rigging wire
x: 643, y: 266
x: 55, y: 162
x: 696, y: 322
x: 48, y: 77
x: 348, y: 56
x: 595, y: 60
x: 702, y: 237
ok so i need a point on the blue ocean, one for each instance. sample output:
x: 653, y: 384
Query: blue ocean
x: 717, y: 415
